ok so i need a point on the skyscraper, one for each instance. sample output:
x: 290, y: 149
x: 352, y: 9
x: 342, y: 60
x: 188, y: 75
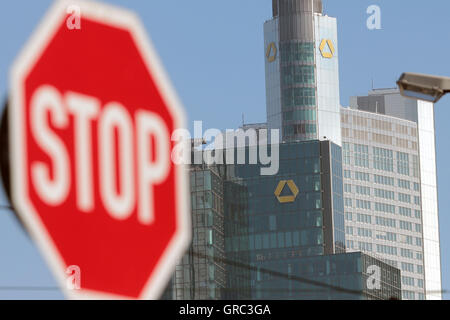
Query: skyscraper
x: 382, y: 148
x: 390, y: 186
x: 302, y: 72
x: 275, y: 237
x: 388, y: 144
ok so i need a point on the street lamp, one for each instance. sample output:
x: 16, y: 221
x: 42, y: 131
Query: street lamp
x: 423, y: 87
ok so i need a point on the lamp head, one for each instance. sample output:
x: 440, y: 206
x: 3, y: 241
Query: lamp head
x: 423, y: 87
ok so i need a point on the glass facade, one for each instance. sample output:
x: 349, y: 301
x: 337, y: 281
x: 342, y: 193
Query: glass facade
x: 275, y: 237
x: 201, y: 274
x: 302, y: 85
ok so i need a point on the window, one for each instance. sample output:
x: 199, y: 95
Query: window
x: 419, y: 269
x: 364, y: 246
x: 359, y: 121
x: 417, y: 200
x: 361, y: 135
x: 406, y: 253
x: 388, y: 181
x: 364, y: 218
x: 346, y: 153
x: 349, y: 230
x: 382, y: 138
x: 363, y: 204
x: 348, y: 202
x: 345, y: 132
x: 404, y: 184
x: 409, y: 267
x: 382, y: 125
x: 386, y: 249
x: 416, y: 186
x: 402, y: 129
x: 389, y: 236
x: 405, y: 225
x: 350, y: 244
x: 403, y: 163
x: 385, y: 194
x: 408, y: 295
x: 361, y: 153
x: 363, y: 232
x: 347, y: 174
x: 365, y: 191
x: 344, y: 117
x: 415, y: 166
x: 348, y: 188
x: 420, y: 283
x: 384, y: 207
x: 298, y: 74
x: 385, y: 222
x: 383, y: 159
x: 419, y: 242
x: 297, y: 52
x: 417, y: 214
x: 418, y: 227
x: 362, y: 176
x: 299, y: 97
x: 318, y: 203
x: 406, y: 212
x: 408, y: 281
x: 303, y: 128
x: 300, y: 115
x: 404, y: 197
x: 409, y: 240
x: 210, y: 237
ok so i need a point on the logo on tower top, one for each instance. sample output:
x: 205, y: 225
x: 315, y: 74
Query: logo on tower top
x: 271, y: 52
x: 292, y: 187
x: 330, y: 53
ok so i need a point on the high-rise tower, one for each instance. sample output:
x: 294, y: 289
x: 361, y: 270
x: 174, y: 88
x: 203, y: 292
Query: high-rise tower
x: 302, y: 73
x: 390, y: 186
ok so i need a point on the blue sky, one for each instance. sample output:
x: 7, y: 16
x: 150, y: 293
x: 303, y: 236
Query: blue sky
x: 213, y: 52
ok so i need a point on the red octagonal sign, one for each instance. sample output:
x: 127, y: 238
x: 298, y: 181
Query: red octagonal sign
x: 91, y: 116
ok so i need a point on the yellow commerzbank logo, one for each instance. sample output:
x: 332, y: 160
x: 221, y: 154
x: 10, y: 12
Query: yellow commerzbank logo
x: 271, y: 52
x: 292, y: 187
x: 327, y: 54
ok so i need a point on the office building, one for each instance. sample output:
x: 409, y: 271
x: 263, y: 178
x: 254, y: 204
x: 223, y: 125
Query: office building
x: 373, y: 163
x: 275, y: 237
x: 302, y: 72
x: 390, y: 189
x: 201, y: 274
x: 388, y: 144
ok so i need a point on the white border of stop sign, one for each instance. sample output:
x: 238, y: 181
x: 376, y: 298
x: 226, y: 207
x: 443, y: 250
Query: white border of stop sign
x: 19, y: 183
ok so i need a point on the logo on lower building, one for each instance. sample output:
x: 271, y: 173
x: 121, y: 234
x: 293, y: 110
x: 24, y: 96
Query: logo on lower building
x: 271, y: 52
x: 327, y: 53
x: 292, y: 187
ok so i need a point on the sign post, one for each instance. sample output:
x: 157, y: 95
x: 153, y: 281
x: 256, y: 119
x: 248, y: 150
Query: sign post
x: 90, y: 121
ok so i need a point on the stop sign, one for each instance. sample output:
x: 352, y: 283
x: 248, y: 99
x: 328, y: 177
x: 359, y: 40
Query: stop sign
x: 91, y: 118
